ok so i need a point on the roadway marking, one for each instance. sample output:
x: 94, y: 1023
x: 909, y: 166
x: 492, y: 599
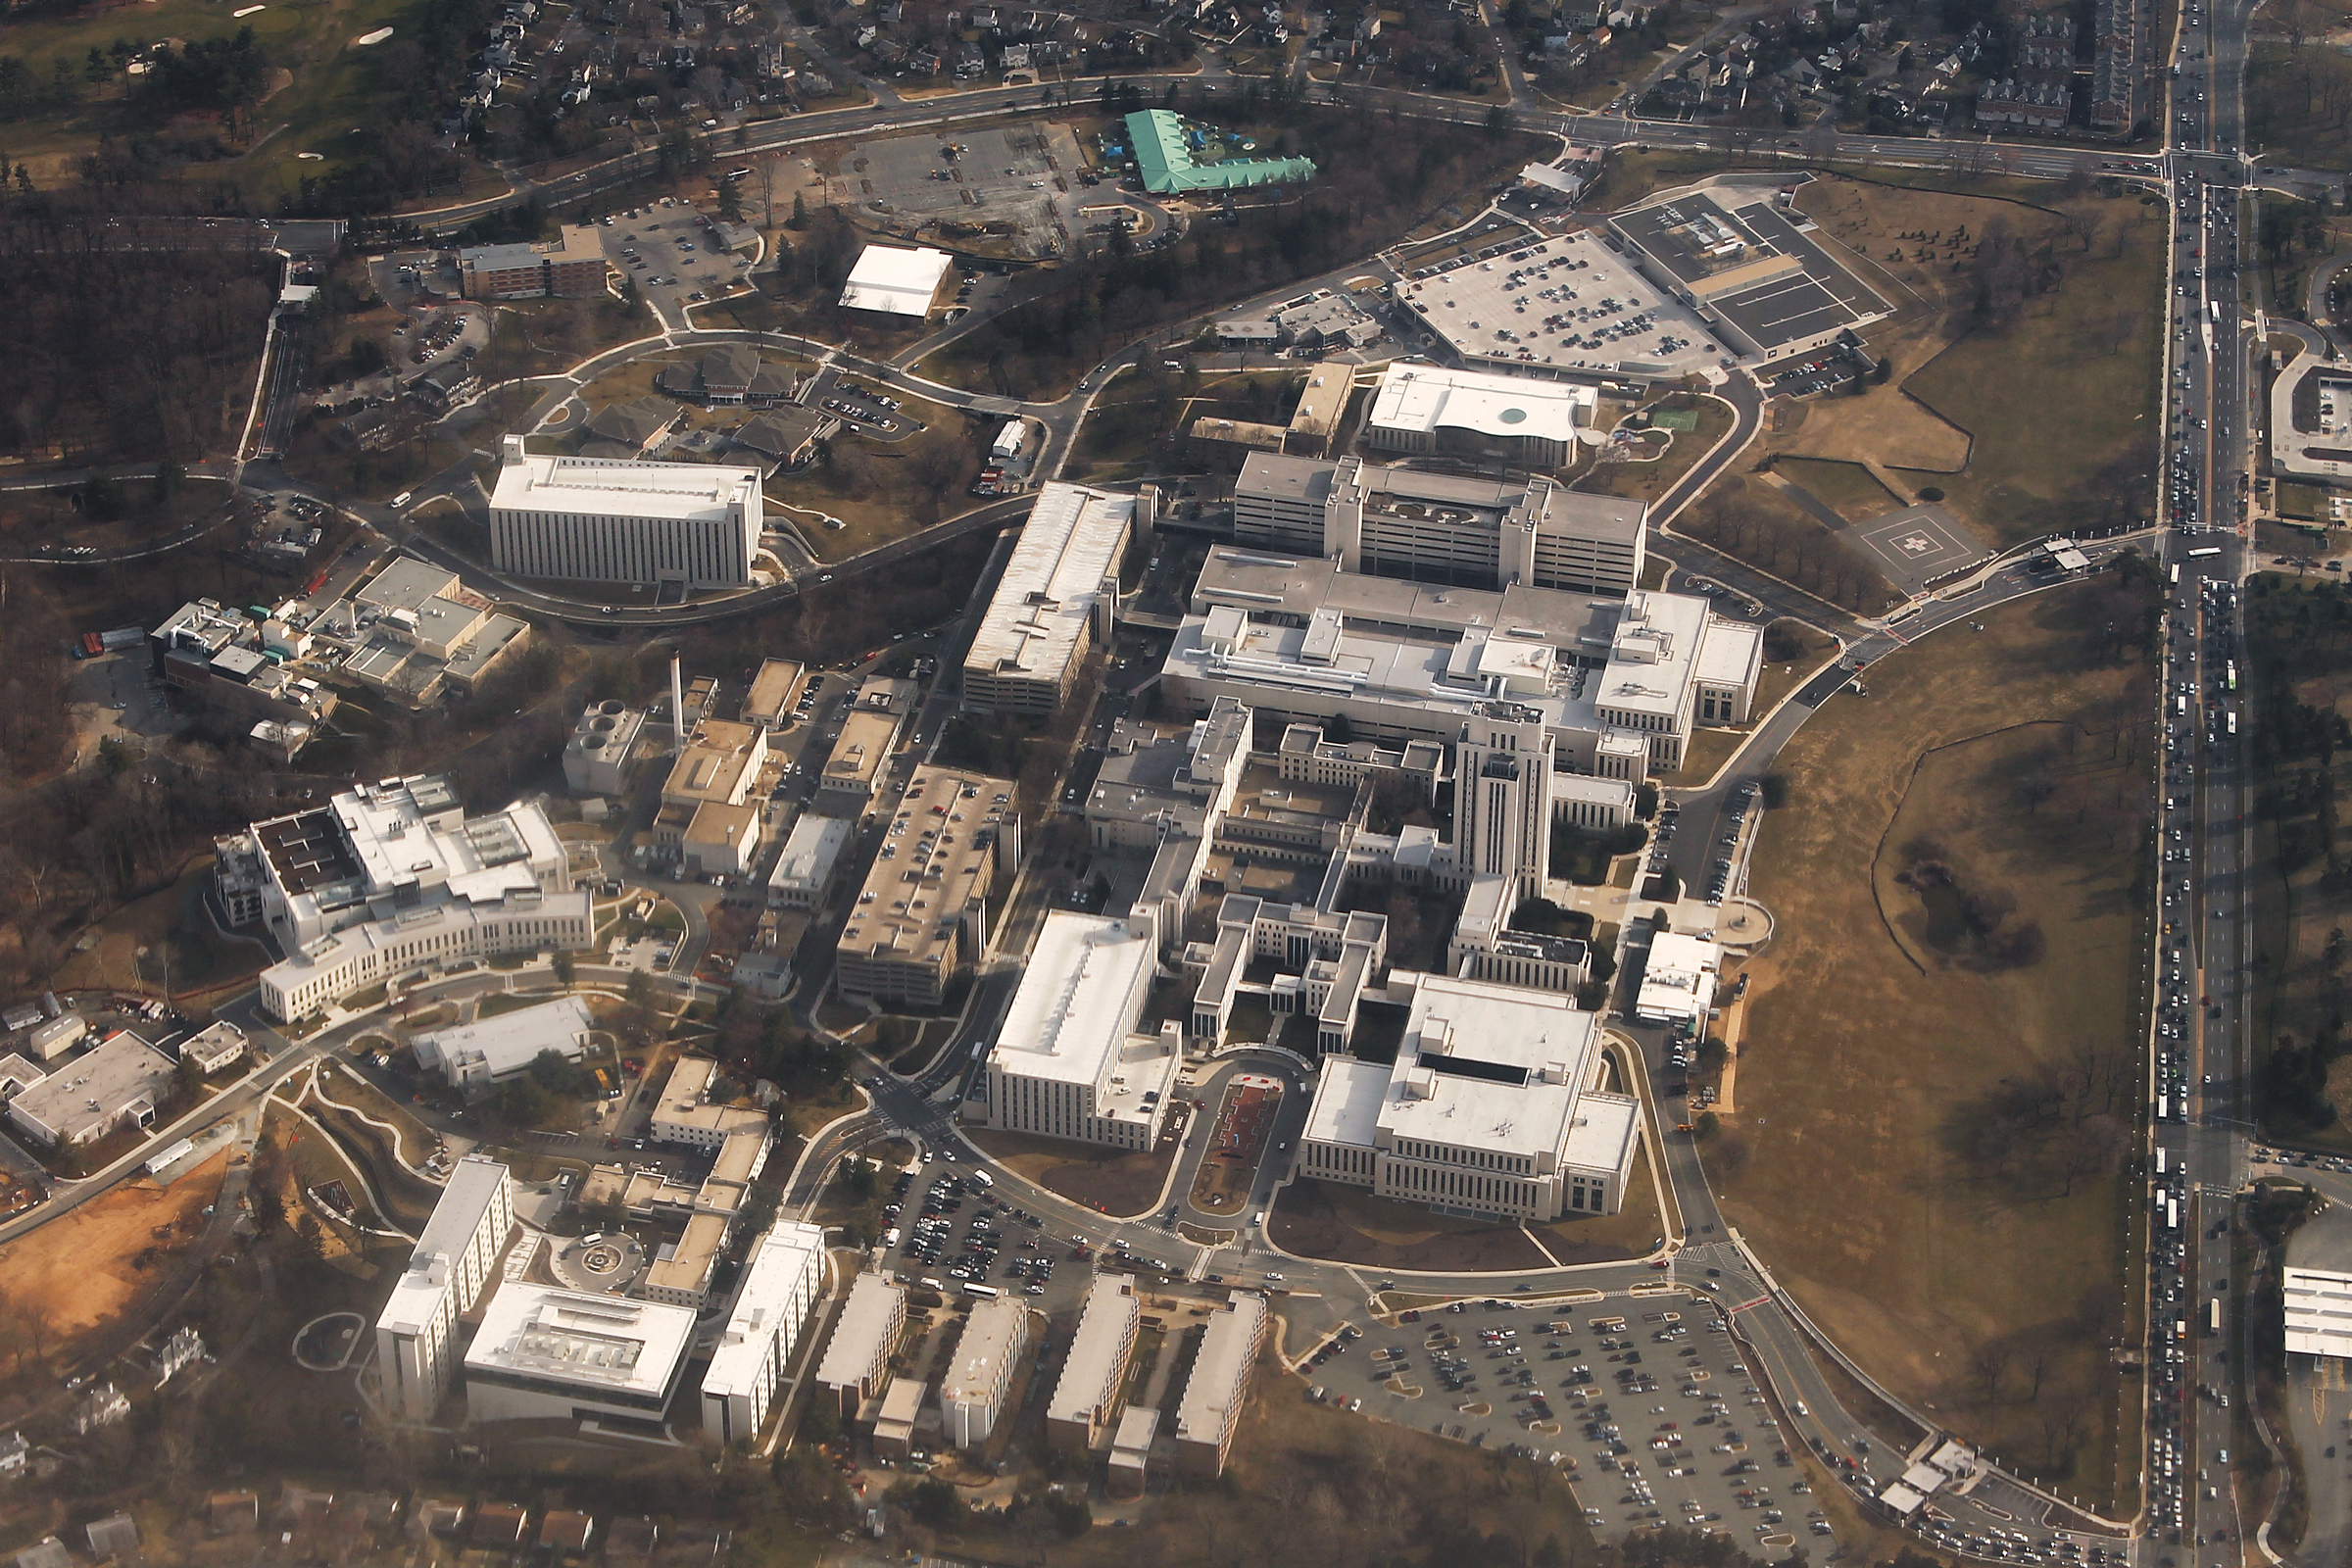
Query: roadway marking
x: 1753, y: 1301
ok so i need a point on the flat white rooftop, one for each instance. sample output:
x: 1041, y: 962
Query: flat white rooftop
x: 601, y: 487
x: 895, y: 281
x: 595, y: 1344
x: 1220, y: 1379
x: 1348, y: 1102
x: 1678, y: 980
x: 993, y: 1335
x: 2318, y: 1312
x: 1104, y: 1324
x: 810, y: 852
x: 1069, y: 1019
x: 854, y: 1351
x: 1434, y: 397
x: 510, y: 1041
x: 785, y: 1273
x: 1039, y: 613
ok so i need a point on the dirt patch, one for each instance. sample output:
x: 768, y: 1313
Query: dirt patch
x: 1933, y: 1118
x: 1348, y: 1225
x: 87, y: 1267
x: 1109, y: 1180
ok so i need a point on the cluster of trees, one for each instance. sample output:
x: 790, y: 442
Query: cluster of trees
x: 1738, y: 518
x: 542, y: 1095
x: 1371, y: 185
x: 2050, y: 1126
x: 113, y: 352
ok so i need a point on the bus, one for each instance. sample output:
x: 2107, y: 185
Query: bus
x: 2176, y: 574
x: 2160, y: 1162
x: 2213, y: 1316
x: 2232, y: 675
x: 2232, y: 716
x: 2212, y: 312
x: 986, y: 1292
x: 2203, y: 550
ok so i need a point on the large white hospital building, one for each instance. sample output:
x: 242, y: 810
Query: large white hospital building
x: 1492, y: 1108
x: 1068, y: 1062
x: 394, y: 878
x: 616, y: 519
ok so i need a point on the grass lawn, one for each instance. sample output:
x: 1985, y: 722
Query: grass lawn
x: 1960, y: 930
x: 1350, y: 1225
x: 1114, y: 1182
x: 1953, y: 415
x: 1847, y: 487
x: 1649, y: 479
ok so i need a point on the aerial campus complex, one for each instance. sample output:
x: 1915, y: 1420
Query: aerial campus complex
x: 1164, y: 890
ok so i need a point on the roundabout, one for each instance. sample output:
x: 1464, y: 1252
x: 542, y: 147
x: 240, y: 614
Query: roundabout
x: 599, y: 1262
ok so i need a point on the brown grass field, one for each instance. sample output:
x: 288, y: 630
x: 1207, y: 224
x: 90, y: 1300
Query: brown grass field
x: 1116, y: 1183
x: 1969, y: 406
x: 78, y: 1270
x: 1936, y: 1084
x: 1847, y: 488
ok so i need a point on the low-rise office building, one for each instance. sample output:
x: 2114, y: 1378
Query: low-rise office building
x: 897, y: 281
x: 922, y: 914
x: 1218, y: 1389
x: 768, y: 702
x: 595, y: 520
x: 573, y: 266
x: 810, y: 863
x: 1490, y: 1108
x: 1678, y: 980
x: 119, y: 1083
x: 1483, y: 947
x: 865, y: 1335
x: 1057, y: 599
x: 783, y: 1279
x: 1068, y: 1062
x: 545, y: 1353
x: 1437, y: 410
x: 415, y: 1334
x: 221, y: 658
x: 853, y: 769
x: 474, y: 1057
x: 1093, y: 1373
x: 213, y: 1047
x: 979, y: 1376
x: 1440, y: 527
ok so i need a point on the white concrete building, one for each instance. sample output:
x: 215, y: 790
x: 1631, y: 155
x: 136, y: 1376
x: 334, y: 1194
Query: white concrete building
x: 1483, y: 947
x: 810, y: 863
x: 216, y: 1045
x: 1067, y: 1062
x: 1502, y: 796
x: 1211, y: 1411
x: 614, y: 519
x: 2318, y: 1312
x: 1432, y: 409
x: 415, y: 1334
x: 1678, y: 983
x: 972, y: 1389
x: 1490, y: 1108
x: 895, y: 281
x: 856, y: 1359
x: 118, y: 1084
x: 1094, y: 1373
x: 544, y: 1353
x: 1618, y: 682
x: 393, y: 879
x: 784, y: 1277
x: 472, y: 1056
x: 1441, y: 527
x: 596, y: 758
x: 1056, y: 600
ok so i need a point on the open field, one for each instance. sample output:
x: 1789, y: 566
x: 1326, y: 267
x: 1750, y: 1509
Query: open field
x: 1746, y: 516
x: 82, y: 1269
x: 2007, y: 309
x: 1115, y: 1183
x: 1937, y: 1079
x: 1847, y: 488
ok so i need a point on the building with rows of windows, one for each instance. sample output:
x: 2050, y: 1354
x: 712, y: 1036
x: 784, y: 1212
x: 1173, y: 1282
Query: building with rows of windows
x: 620, y: 520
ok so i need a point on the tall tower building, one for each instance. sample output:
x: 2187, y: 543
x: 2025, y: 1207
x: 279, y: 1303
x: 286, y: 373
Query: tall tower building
x: 1502, y: 795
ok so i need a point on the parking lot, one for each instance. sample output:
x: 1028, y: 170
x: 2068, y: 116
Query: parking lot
x: 1645, y: 1405
x: 1017, y: 175
x: 674, y: 252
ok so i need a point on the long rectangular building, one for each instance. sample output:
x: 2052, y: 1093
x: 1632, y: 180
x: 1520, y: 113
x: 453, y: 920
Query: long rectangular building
x: 613, y: 519
x: 972, y: 1391
x: 1067, y: 1062
x: 857, y: 1361
x: 1094, y: 1375
x: 1435, y: 410
x: 922, y: 914
x: 1218, y: 1389
x: 415, y: 1333
x: 1443, y: 528
x: 1057, y: 599
x: 544, y: 1353
x: 784, y: 1277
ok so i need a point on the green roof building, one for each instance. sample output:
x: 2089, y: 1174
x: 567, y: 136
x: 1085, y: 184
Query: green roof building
x: 1163, y: 152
